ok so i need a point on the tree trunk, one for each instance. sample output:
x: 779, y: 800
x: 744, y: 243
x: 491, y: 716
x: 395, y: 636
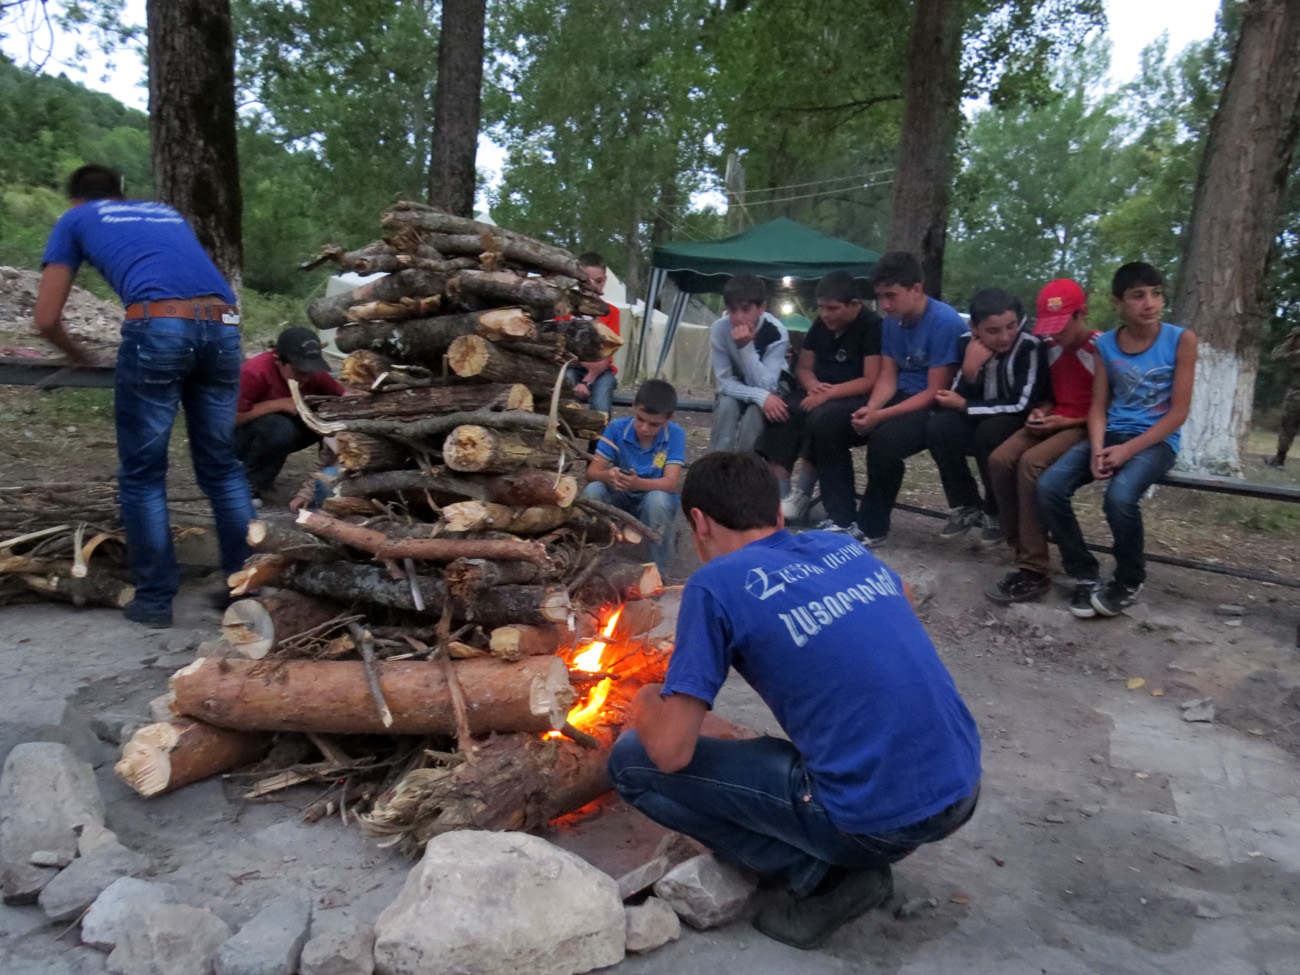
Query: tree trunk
x: 425, y: 401
x: 931, y: 117
x: 195, y: 152
x: 424, y: 341
x: 257, y: 625
x: 165, y: 756
x: 456, y: 106
x: 1234, y: 221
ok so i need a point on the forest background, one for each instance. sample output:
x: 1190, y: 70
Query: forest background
x: 617, y: 120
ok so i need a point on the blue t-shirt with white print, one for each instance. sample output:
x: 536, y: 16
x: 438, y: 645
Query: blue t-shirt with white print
x: 930, y: 343
x: 821, y: 629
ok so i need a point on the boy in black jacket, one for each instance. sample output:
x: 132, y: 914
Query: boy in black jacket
x: 1003, y: 376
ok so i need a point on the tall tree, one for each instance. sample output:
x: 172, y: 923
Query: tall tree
x: 1234, y: 221
x: 456, y: 106
x: 192, y: 123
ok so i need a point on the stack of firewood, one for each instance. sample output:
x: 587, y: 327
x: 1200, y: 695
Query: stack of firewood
x: 441, y: 595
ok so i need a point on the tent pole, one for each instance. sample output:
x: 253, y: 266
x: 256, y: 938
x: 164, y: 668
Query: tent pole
x: 674, y: 319
x: 638, y: 347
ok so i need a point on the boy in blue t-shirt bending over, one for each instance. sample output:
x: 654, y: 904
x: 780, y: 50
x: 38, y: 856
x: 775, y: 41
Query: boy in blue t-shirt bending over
x: 882, y: 755
x: 639, y: 460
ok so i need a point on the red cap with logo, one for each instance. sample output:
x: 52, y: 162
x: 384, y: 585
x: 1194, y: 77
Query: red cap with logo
x: 1057, y: 303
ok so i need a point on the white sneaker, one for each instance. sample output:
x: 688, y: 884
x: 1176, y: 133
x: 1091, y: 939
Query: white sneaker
x: 795, y: 505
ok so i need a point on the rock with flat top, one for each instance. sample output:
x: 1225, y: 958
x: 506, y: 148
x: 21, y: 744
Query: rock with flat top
x: 705, y: 892
x: 77, y: 887
x: 347, y: 949
x: 269, y: 944
x: 650, y: 925
x: 169, y: 939
x: 108, y: 917
x: 500, y: 904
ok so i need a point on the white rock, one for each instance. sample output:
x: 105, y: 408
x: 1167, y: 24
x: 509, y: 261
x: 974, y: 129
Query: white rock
x: 169, y: 939
x: 93, y: 837
x: 270, y: 943
x: 651, y: 925
x: 49, y: 858
x: 500, y: 904
x: 348, y: 949
x: 77, y: 887
x: 47, y: 795
x: 705, y: 892
x: 126, y: 897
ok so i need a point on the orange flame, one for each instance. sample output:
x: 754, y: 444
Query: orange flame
x: 589, y: 660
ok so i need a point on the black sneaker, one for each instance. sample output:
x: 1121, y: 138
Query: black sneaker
x: 1113, y: 598
x: 1018, y: 587
x: 155, y: 619
x: 990, y: 528
x: 850, y: 529
x: 1081, y: 602
x: 807, y: 922
x: 960, y: 521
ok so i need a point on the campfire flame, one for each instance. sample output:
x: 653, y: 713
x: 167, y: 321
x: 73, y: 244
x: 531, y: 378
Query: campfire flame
x: 589, y: 660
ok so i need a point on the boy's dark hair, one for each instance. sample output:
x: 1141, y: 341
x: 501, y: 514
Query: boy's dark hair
x: 838, y: 286
x: 656, y: 397
x: 1135, y: 275
x: 734, y: 488
x: 896, y: 267
x: 994, y: 301
x: 744, y: 289
x: 591, y: 259
x: 95, y: 183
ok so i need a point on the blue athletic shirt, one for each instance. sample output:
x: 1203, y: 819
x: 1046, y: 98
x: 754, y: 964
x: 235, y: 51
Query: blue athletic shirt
x: 929, y: 344
x: 1142, y: 385
x: 820, y: 628
x: 619, y: 446
x: 146, y: 251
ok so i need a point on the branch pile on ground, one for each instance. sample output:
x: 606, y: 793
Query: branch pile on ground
x: 415, y: 642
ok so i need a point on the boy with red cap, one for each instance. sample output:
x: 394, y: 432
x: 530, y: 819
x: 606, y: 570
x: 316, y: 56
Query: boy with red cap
x: 1049, y: 431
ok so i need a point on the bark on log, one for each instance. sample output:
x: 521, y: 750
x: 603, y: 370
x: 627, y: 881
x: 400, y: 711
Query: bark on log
x: 585, y: 338
x: 519, y: 640
x: 256, y: 626
x: 332, y: 695
x: 410, y: 485
x: 618, y: 580
x: 165, y: 756
x: 466, y: 577
x: 547, y: 299
x: 332, y: 312
x: 476, y: 449
x: 363, y: 368
x: 424, y: 341
x: 393, y: 263
x: 524, y: 489
x: 528, y: 488
x: 425, y: 549
x: 582, y: 421
x: 433, y: 426
x: 475, y: 516
x: 425, y: 401
x: 99, y: 589
x: 280, y: 535
x: 261, y: 570
x: 360, y: 453
x: 474, y: 356
x: 637, y: 619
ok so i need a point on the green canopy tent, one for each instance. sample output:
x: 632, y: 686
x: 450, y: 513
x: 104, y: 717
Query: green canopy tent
x: 775, y: 250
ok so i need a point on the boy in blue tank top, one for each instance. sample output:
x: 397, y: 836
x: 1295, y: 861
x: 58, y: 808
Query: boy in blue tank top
x: 1139, y: 403
x: 882, y: 756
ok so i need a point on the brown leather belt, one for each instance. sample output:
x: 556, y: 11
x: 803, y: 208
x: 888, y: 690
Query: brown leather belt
x: 212, y: 311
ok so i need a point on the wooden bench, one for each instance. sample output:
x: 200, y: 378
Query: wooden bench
x: 1230, y: 485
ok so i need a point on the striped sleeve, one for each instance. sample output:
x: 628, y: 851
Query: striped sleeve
x: 1019, y: 381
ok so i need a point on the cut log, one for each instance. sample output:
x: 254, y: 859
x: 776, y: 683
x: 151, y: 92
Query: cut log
x: 256, y: 626
x: 363, y: 368
x: 370, y: 311
x: 99, y: 589
x: 410, y: 485
x: 585, y: 338
x: 475, y: 516
x: 619, y: 580
x: 530, y: 488
x: 467, y: 577
x: 170, y: 754
x: 582, y: 421
x: 637, y: 619
x: 332, y: 312
x: 333, y: 696
x: 475, y: 449
x: 514, y: 782
x: 424, y: 402
x: 522, y: 640
x: 261, y: 570
x: 473, y: 356
x: 546, y: 298
x: 426, y: 549
x: 361, y: 453
x: 280, y: 534
x: 424, y: 341
x: 392, y: 263
x: 426, y: 427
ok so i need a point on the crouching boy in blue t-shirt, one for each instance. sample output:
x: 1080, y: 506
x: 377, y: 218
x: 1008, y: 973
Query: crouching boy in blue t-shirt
x: 639, y: 460
x: 882, y: 755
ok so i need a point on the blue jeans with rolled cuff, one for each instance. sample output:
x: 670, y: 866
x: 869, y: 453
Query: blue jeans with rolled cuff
x: 753, y: 804
x: 163, y: 364
x: 1124, y: 490
x: 654, y: 509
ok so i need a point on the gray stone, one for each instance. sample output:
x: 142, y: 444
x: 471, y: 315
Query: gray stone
x: 106, y: 921
x: 49, y: 858
x: 77, y: 887
x: 705, y: 892
x: 92, y: 837
x: 650, y: 925
x: 271, y: 942
x: 1201, y: 709
x: 47, y: 795
x: 499, y: 904
x: 1228, y: 609
x: 348, y: 949
x: 635, y: 881
x: 168, y: 939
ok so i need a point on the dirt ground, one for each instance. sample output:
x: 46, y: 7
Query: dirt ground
x: 1112, y: 836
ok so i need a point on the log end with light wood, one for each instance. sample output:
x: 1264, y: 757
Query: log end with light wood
x: 475, y: 449
x: 167, y: 755
x: 363, y: 368
x: 475, y: 516
x: 254, y: 626
x: 522, y: 640
x: 618, y: 580
x: 360, y: 452
x: 260, y: 570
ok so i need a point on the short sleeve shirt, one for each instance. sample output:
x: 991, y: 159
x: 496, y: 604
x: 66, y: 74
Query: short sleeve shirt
x: 619, y: 446
x: 260, y: 381
x: 838, y: 358
x: 929, y: 344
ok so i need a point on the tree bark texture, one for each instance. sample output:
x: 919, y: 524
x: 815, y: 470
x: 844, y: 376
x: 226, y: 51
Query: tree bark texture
x: 424, y: 341
x: 1234, y: 221
x: 167, y: 755
x: 195, y: 153
x: 255, y: 626
x: 476, y: 449
x: 425, y: 401
x: 332, y: 312
x: 456, y: 106
x: 931, y: 118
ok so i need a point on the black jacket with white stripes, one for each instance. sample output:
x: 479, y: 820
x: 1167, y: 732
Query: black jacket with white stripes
x: 1014, y: 382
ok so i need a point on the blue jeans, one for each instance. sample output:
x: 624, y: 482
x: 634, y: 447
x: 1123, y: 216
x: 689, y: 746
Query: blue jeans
x: 164, y: 363
x: 1124, y: 490
x: 754, y: 805
x: 655, y: 509
x: 737, y: 425
x: 601, y: 391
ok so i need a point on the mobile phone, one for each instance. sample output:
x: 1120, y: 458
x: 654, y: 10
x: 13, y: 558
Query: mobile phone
x: 1034, y: 420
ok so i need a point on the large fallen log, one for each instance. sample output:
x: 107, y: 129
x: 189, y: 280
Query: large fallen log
x: 473, y: 448
x: 255, y: 626
x: 333, y: 695
x: 170, y: 754
x: 472, y: 356
x: 477, y: 516
x: 332, y: 312
x: 427, y: 549
x: 424, y: 401
x: 424, y: 341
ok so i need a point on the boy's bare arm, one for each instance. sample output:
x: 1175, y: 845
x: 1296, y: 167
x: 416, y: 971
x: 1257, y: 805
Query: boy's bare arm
x: 1179, y: 406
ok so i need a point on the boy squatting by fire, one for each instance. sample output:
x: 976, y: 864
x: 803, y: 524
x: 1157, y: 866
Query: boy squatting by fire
x: 883, y: 754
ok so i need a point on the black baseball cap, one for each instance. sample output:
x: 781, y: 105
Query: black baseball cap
x: 300, y: 347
